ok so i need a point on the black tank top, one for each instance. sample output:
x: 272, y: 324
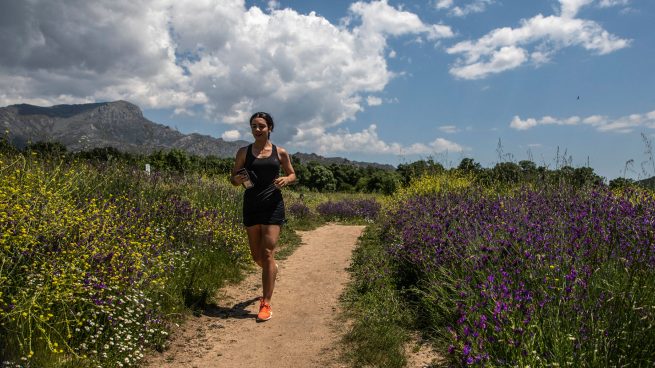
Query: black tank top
x: 265, y: 171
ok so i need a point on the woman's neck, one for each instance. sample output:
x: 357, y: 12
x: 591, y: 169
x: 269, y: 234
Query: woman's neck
x: 260, y: 145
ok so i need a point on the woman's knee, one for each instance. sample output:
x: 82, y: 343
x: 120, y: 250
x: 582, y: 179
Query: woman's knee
x: 258, y: 260
x: 267, y: 254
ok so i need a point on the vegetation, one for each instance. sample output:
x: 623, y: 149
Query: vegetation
x: 96, y: 260
x: 98, y: 257
x: 532, y: 274
x: 512, y: 265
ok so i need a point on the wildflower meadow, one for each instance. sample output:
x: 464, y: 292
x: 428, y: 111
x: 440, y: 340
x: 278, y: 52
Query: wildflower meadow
x: 96, y: 260
x: 529, y: 275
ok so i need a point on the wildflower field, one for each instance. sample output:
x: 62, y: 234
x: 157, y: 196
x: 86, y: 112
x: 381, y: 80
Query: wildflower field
x: 532, y: 275
x: 96, y: 260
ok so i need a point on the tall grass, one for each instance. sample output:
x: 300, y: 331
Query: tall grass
x: 524, y: 276
x: 96, y: 259
x: 380, y: 315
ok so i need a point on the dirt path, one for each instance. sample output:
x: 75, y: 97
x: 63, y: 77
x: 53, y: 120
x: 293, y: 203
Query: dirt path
x: 303, y: 330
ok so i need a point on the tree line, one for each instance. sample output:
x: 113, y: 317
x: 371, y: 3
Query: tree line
x: 315, y: 176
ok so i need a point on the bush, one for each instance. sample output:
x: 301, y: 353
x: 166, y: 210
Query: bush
x: 357, y: 209
x: 544, y: 277
x: 94, y: 260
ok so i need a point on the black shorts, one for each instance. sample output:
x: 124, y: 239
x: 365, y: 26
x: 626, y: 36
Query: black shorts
x: 270, y: 212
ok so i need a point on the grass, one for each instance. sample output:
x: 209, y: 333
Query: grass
x: 380, y: 318
x: 84, y: 246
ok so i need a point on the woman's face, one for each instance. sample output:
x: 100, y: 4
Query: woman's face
x: 259, y: 128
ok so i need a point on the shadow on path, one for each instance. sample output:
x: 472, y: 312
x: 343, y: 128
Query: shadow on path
x: 237, y: 311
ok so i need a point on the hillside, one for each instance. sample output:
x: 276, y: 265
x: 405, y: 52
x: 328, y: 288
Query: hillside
x: 121, y: 125
x: 327, y: 161
x: 118, y: 124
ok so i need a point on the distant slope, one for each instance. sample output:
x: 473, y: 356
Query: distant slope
x: 306, y: 158
x: 647, y: 183
x: 118, y: 124
x: 121, y: 125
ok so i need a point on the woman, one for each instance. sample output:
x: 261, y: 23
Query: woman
x: 263, y: 206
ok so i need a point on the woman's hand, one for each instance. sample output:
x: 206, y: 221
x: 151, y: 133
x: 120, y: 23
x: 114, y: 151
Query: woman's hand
x: 282, y: 181
x: 239, y: 178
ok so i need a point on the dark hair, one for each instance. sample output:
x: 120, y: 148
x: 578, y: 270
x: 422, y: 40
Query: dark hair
x: 266, y: 116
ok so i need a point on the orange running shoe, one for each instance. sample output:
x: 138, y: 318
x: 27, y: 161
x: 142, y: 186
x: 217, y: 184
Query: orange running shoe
x: 265, y: 312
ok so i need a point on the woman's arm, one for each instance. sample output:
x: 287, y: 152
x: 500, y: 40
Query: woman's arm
x: 285, y: 163
x: 239, y: 163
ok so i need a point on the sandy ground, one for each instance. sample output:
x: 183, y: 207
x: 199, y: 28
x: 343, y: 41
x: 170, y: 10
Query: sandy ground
x: 304, y: 331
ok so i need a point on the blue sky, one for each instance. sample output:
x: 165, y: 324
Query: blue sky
x: 555, y: 81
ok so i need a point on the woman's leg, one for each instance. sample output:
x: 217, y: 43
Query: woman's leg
x: 254, y: 240
x: 269, y: 237
x: 263, y: 240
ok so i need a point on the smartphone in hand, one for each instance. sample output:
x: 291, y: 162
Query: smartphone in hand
x: 248, y: 183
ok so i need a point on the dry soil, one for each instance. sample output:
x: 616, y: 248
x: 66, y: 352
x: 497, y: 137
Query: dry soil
x: 304, y: 331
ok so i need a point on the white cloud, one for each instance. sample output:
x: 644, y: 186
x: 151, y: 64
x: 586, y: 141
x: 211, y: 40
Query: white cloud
x: 220, y: 55
x: 373, y: 101
x: 508, y: 57
x: 273, y: 4
x: 570, y: 8
x: 231, y: 135
x: 450, y: 129
x: 90, y: 51
x: 378, y: 18
x: 443, y: 4
x: 475, y: 6
x: 624, y: 124
x: 519, y: 124
x: 366, y: 141
x: 610, y: 3
x: 536, y: 40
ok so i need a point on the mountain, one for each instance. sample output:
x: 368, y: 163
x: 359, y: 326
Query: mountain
x: 647, y: 183
x: 306, y: 158
x: 118, y: 124
x: 121, y: 125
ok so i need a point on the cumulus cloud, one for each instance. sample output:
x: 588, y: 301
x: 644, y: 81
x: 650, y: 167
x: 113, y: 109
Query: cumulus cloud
x: 624, y: 124
x: 475, y: 6
x: 610, y: 3
x: 536, y: 40
x: 450, y: 129
x: 367, y: 141
x: 231, y: 135
x: 218, y: 55
x: 443, y: 4
x: 373, y: 101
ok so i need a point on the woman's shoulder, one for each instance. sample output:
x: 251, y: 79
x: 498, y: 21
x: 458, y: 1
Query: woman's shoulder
x: 282, y: 154
x: 242, y: 150
x: 281, y: 150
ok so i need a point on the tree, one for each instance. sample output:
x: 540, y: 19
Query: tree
x: 346, y: 176
x: 619, y: 183
x: 320, y: 178
x: 468, y: 165
x: 47, y: 148
x: 384, y: 182
x: 177, y: 160
x: 507, y: 172
x: 409, y: 172
x: 302, y: 175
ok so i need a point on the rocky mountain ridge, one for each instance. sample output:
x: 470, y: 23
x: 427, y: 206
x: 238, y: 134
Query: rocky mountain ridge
x: 120, y: 124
